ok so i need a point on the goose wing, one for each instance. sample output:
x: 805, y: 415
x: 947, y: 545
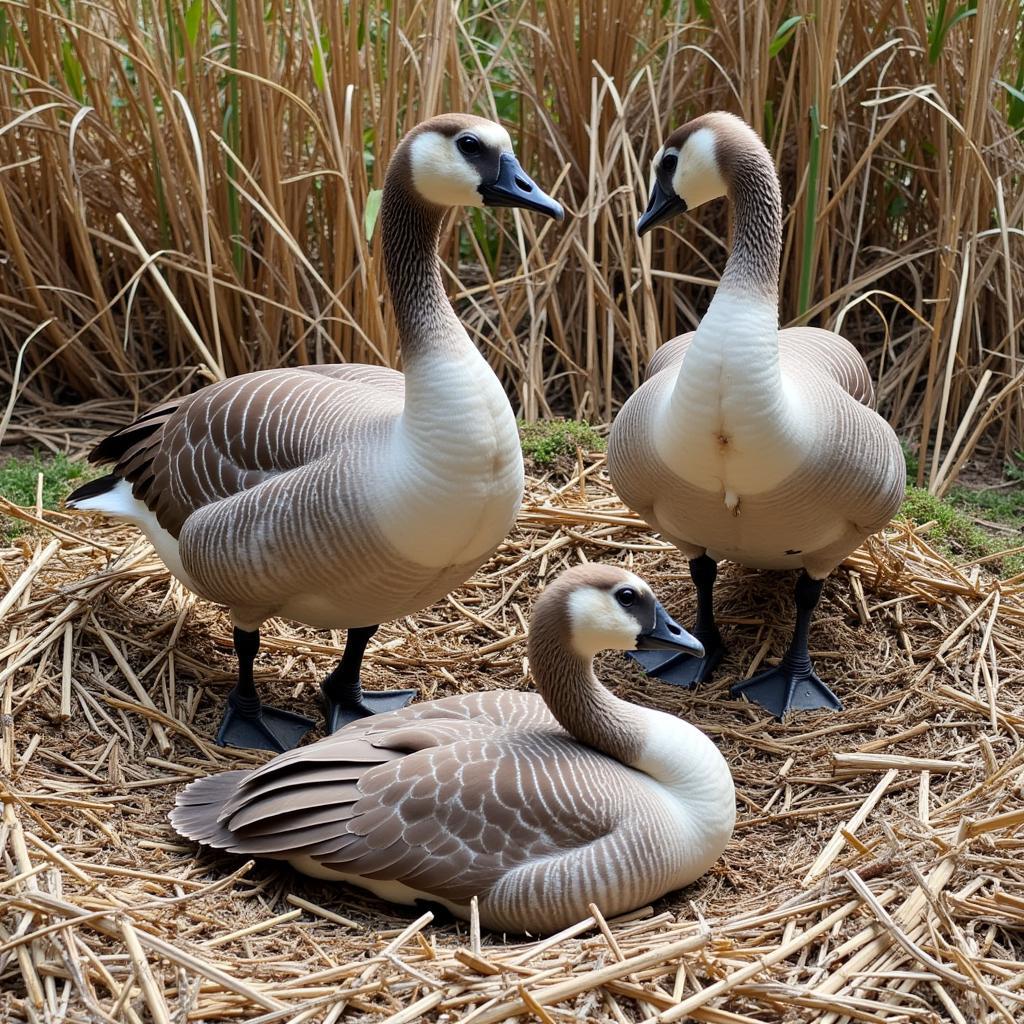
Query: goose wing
x: 669, y: 355
x: 453, y: 818
x: 451, y: 808
x: 328, y: 772
x: 239, y: 433
x: 807, y: 350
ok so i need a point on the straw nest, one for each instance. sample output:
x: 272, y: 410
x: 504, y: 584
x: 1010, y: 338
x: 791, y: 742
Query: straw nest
x: 875, y: 873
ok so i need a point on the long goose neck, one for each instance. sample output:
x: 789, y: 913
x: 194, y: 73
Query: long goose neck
x: 666, y: 748
x: 410, y: 227
x: 736, y: 347
x: 579, y: 702
x: 753, y: 266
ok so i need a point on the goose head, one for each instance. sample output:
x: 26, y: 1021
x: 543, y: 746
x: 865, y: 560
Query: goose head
x: 695, y: 165
x: 603, y: 607
x: 463, y: 160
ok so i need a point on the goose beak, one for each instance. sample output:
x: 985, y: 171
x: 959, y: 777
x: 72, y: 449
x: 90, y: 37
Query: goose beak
x: 667, y: 635
x: 662, y: 206
x: 514, y: 187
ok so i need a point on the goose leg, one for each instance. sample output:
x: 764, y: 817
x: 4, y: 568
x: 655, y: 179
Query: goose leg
x: 247, y: 721
x: 343, y: 692
x: 682, y: 669
x: 793, y: 684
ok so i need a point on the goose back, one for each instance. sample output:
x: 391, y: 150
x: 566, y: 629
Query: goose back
x: 483, y: 794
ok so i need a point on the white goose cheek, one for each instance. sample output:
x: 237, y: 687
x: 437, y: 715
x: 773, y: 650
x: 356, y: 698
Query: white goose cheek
x: 599, y: 623
x: 441, y: 175
x: 697, y: 179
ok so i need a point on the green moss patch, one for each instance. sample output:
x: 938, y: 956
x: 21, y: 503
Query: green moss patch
x: 957, y: 533
x: 547, y: 442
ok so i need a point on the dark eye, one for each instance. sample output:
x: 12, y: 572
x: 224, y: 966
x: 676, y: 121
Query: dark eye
x: 626, y: 596
x: 469, y: 145
x: 669, y: 162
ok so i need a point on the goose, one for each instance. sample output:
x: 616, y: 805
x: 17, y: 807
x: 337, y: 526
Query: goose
x: 341, y: 496
x: 536, y: 803
x: 746, y: 442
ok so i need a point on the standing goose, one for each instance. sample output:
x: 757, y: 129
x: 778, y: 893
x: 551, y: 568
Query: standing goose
x: 537, y: 804
x: 341, y: 496
x: 747, y: 442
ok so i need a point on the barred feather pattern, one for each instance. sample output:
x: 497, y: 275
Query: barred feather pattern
x: 478, y: 795
x: 485, y: 794
x: 750, y: 443
x: 339, y: 496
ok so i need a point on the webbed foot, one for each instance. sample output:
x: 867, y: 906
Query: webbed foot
x: 788, y: 687
x: 369, y: 702
x: 262, y: 727
x: 679, y: 668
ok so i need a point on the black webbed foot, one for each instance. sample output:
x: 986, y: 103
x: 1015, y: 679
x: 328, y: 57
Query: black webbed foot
x: 262, y: 728
x: 788, y: 688
x: 343, y: 710
x: 247, y: 721
x: 793, y: 685
x: 343, y: 692
x: 680, y: 669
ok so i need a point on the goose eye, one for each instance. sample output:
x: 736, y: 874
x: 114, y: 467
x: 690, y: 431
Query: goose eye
x: 469, y: 145
x: 626, y: 597
x: 669, y: 162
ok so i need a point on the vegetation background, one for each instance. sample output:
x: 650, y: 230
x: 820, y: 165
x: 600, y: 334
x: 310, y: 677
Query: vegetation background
x: 188, y: 191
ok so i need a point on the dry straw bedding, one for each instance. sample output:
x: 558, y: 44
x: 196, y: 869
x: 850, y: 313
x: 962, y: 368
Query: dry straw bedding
x: 875, y: 873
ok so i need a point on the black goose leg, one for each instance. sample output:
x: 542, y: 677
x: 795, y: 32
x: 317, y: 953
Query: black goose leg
x: 343, y: 692
x: 794, y: 683
x: 682, y: 669
x: 248, y: 722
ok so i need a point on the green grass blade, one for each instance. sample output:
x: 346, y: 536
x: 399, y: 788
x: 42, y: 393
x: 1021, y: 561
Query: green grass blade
x: 810, y: 214
x: 783, y: 34
x: 372, y: 210
x: 193, y: 19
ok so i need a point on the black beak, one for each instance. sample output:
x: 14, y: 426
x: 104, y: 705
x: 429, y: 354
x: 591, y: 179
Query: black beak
x: 663, y: 205
x: 513, y: 187
x: 667, y: 635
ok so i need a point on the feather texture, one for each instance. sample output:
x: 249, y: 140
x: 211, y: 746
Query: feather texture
x: 747, y: 442
x: 485, y: 794
x: 339, y: 496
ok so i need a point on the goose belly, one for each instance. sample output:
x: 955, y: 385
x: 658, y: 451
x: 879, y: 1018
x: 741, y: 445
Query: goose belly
x: 385, y: 889
x: 330, y: 599
x: 776, y: 529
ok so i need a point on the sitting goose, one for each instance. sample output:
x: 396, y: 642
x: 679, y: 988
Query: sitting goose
x: 341, y: 496
x: 537, y: 804
x: 747, y: 442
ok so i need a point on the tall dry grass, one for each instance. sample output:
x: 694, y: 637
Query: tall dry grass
x: 184, y: 189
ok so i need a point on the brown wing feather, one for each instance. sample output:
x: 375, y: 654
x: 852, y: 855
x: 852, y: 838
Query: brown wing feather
x: 235, y: 435
x: 401, y: 797
x: 425, y: 812
x: 808, y: 348
x: 669, y: 355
